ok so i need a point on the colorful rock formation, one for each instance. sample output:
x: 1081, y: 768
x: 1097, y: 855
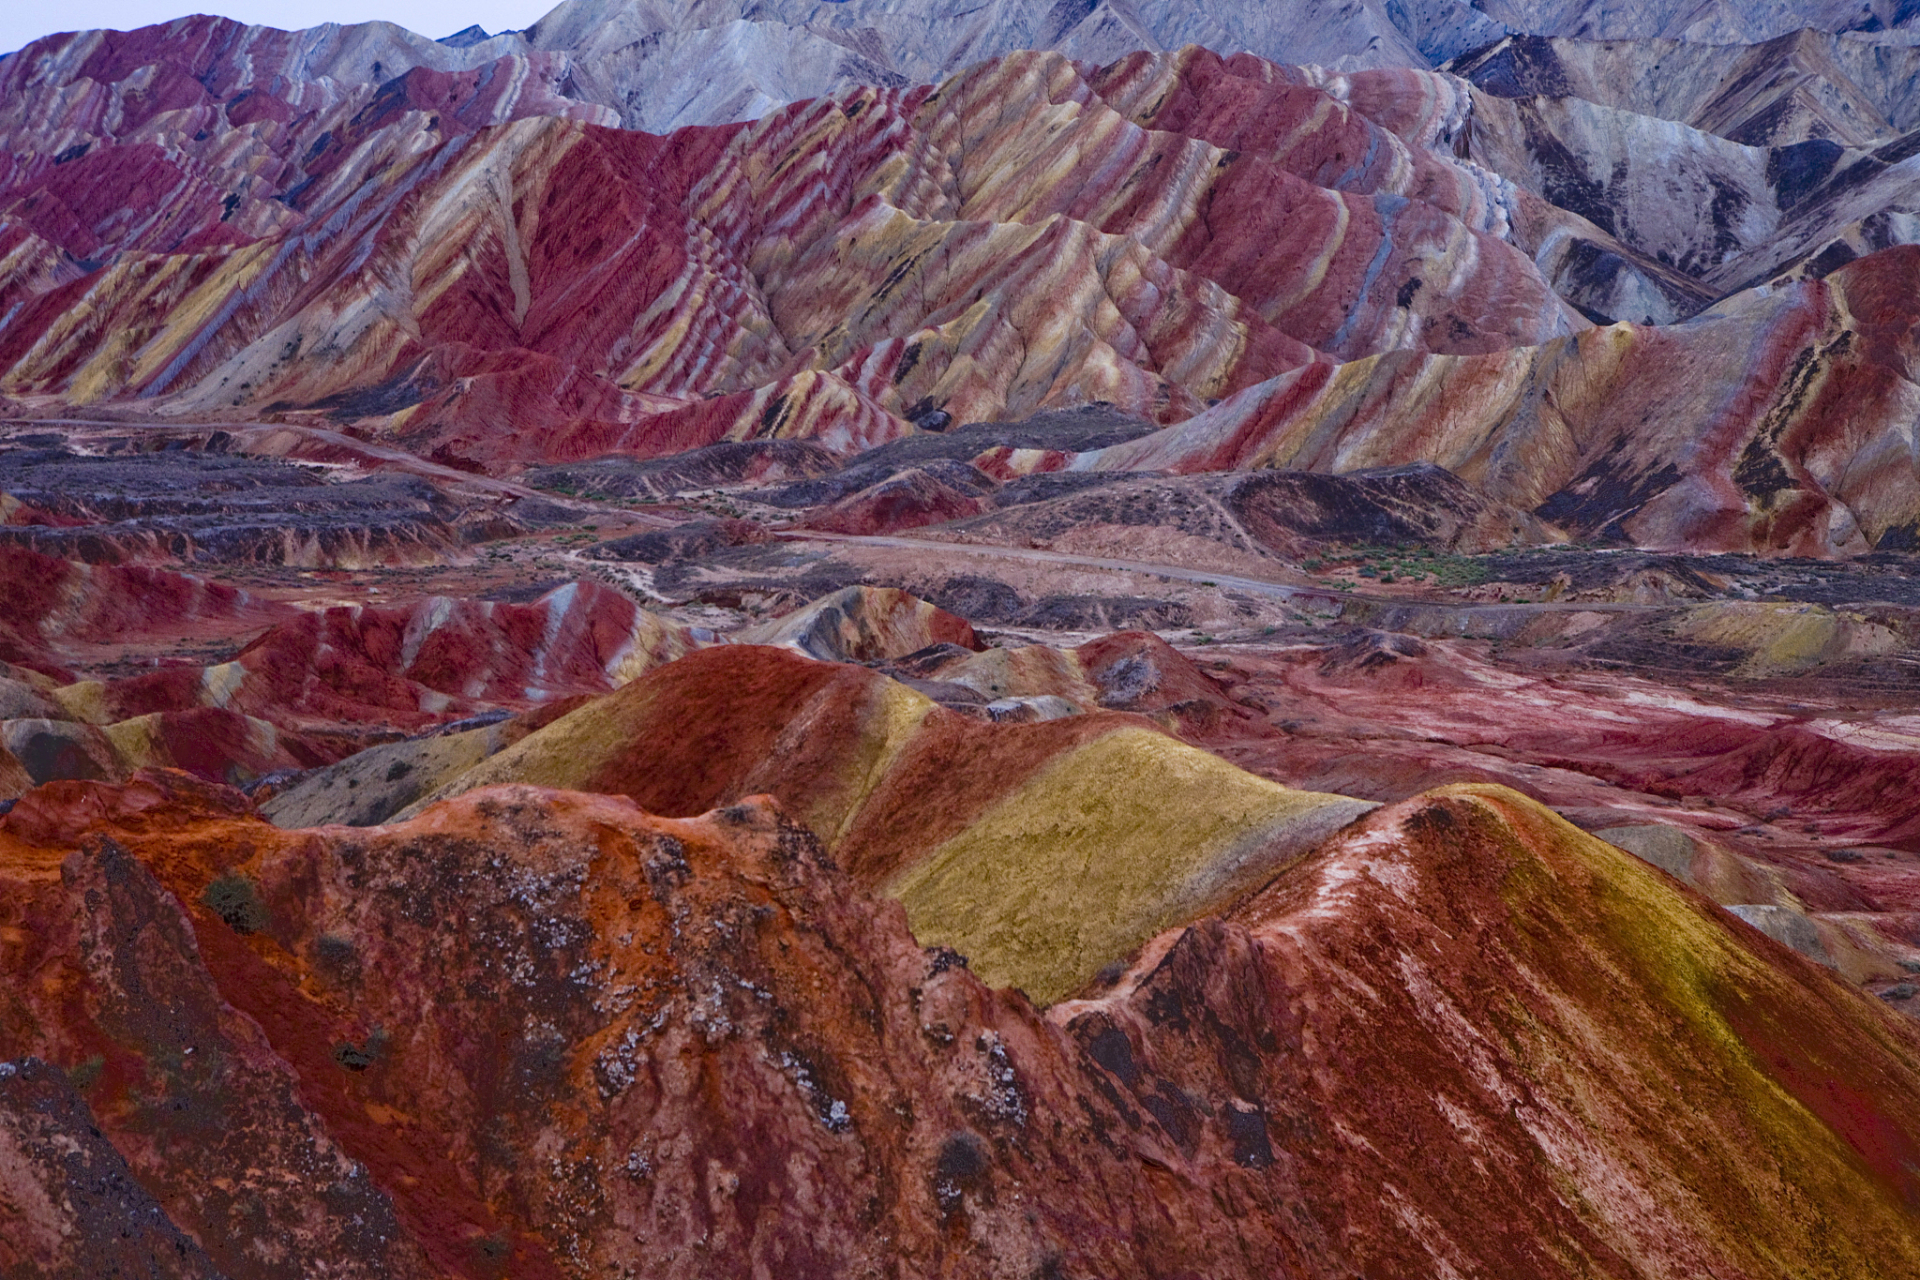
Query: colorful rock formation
x: 796, y: 639
x: 303, y: 688
x: 1031, y: 233
x: 728, y: 1056
x: 974, y: 273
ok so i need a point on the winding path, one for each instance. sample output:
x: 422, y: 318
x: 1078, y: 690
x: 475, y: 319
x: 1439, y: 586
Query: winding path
x: 1203, y: 577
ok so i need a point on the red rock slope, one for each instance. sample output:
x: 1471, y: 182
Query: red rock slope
x: 545, y: 1034
x: 1778, y: 423
x: 485, y: 277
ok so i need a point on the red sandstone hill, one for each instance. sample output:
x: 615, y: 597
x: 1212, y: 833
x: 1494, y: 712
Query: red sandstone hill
x: 570, y: 937
x: 654, y: 293
x: 546, y: 1034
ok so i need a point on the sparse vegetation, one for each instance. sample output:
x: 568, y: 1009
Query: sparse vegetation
x: 236, y: 900
x: 1402, y: 564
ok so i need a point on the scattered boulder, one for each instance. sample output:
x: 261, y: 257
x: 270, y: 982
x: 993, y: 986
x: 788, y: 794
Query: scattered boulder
x: 370, y: 786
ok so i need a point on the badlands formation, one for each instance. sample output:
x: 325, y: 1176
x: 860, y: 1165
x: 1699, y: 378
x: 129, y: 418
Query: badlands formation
x: 1118, y: 639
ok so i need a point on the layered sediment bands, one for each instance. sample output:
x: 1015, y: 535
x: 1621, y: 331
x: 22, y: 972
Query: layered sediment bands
x: 862, y: 624
x: 302, y: 687
x: 1620, y: 433
x: 1287, y: 514
x: 196, y: 505
x: 1801, y: 86
x: 709, y: 1033
x: 715, y: 466
x: 1638, y: 218
x: 1003, y: 243
x: 50, y: 609
x: 719, y: 61
x: 1159, y: 233
x: 1718, y: 24
x: 656, y: 1006
x: 415, y: 666
x: 1352, y: 954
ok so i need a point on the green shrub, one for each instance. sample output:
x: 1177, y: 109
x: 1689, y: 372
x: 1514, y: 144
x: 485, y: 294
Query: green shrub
x: 236, y: 900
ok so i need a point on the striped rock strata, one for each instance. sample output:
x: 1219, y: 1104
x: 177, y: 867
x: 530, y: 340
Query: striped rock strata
x: 1159, y: 233
x: 1801, y: 86
x: 659, y: 67
x: 1028, y: 234
x: 1779, y: 423
x: 939, y: 809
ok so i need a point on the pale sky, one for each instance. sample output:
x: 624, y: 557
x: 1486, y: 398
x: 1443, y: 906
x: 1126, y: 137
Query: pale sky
x: 25, y: 20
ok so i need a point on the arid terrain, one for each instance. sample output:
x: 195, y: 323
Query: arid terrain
x: 1177, y: 641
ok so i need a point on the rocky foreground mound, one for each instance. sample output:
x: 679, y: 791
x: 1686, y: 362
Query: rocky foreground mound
x: 543, y: 1033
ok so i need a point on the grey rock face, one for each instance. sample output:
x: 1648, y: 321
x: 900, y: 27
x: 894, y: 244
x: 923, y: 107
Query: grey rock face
x: 74, y: 1207
x: 367, y: 788
x: 1786, y: 926
x: 1668, y: 848
x: 660, y: 65
x: 709, y: 61
x: 1848, y: 88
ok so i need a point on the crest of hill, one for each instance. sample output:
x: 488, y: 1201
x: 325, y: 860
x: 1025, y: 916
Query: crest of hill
x: 1465, y: 965
x: 659, y: 67
x: 670, y: 347
x: 1336, y: 256
x: 302, y: 689
x: 1798, y: 87
x: 1042, y: 851
x: 1620, y: 455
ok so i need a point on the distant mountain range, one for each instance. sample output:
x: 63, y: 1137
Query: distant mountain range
x: 663, y: 65
x: 456, y: 247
